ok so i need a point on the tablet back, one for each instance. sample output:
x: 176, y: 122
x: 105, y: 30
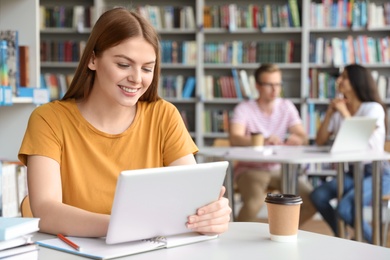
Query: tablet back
x: 354, y: 134
x: 157, y: 201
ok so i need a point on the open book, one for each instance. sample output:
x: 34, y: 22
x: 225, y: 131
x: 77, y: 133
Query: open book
x: 96, y: 248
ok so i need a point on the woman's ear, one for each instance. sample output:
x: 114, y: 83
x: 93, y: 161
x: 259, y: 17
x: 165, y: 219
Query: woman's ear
x: 91, y: 63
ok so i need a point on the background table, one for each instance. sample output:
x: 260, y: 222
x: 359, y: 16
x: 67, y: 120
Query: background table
x: 294, y: 155
x: 251, y: 241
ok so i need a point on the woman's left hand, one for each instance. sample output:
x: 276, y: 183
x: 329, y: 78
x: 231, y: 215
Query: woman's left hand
x: 213, y: 218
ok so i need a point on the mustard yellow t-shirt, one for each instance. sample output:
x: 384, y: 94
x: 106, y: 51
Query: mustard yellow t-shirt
x: 91, y: 160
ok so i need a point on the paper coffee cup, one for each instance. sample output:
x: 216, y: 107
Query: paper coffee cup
x: 257, y: 139
x: 283, y: 216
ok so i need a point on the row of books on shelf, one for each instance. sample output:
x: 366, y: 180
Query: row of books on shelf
x: 383, y: 84
x: 177, y: 86
x: 349, y: 13
x: 13, y: 187
x: 235, y: 16
x: 188, y: 120
x: 56, y: 83
x: 216, y: 120
x: 78, y: 17
x: 16, y: 238
x: 239, y: 85
x: 14, y: 61
x: 315, y: 116
x: 361, y: 49
x: 183, y: 52
x: 169, y: 17
x: 237, y: 52
x: 61, y: 51
x: 322, y: 85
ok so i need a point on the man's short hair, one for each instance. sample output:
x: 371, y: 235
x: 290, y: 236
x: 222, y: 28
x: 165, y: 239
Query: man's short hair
x: 265, y: 68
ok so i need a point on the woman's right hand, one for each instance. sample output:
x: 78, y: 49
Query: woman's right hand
x: 340, y: 105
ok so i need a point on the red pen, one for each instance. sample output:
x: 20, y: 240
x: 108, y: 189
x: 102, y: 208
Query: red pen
x: 63, y: 238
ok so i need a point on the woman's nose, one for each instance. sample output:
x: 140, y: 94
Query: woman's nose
x: 135, y: 75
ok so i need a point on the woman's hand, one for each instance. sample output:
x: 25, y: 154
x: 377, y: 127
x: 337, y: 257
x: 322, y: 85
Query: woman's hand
x: 213, y: 218
x: 340, y: 105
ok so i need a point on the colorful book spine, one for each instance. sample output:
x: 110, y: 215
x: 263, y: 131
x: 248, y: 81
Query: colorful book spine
x: 293, y: 4
x: 3, y: 64
x: 11, y: 36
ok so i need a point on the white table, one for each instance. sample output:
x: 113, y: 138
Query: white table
x: 251, y: 241
x: 293, y: 155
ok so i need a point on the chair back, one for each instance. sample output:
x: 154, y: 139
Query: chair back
x: 25, y: 208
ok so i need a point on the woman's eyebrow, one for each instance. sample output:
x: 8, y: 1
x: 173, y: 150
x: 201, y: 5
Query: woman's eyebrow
x: 131, y: 60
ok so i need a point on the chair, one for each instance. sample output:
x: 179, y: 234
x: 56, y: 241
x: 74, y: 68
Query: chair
x: 25, y: 208
x: 386, y: 204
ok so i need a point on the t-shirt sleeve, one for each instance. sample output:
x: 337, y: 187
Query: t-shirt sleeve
x: 177, y: 140
x: 40, y: 137
x: 374, y: 110
x: 294, y: 117
x: 240, y: 113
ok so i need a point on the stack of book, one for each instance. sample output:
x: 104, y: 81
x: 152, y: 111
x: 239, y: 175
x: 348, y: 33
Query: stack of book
x: 16, y: 238
x: 13, y: 187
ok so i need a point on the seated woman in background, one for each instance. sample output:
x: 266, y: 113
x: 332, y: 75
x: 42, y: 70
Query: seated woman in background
x: 361, y: 98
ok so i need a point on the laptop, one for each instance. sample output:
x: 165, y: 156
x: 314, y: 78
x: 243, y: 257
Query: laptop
x: 353, y: 136
x: 157, y: 201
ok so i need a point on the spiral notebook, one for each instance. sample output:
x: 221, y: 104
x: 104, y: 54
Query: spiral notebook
x: 150, y: 210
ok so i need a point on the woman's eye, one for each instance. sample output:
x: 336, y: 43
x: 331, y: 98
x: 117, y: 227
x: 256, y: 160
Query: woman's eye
x: 148, y: 69
x: 123, y: 65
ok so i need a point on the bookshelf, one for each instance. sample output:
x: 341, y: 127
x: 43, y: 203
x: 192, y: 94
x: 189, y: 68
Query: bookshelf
x: 297, y: 71
x: 365, y: 31
x: 13, y: 119
x: 64, y: 28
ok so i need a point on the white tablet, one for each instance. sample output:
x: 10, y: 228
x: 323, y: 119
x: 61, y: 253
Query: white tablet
x: 157, y: 201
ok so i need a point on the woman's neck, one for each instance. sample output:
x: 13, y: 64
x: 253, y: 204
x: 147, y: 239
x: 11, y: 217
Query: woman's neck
x: 353, y: 106
x: 107, y: 118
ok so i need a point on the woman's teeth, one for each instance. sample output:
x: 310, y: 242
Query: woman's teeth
x: 130, y: 90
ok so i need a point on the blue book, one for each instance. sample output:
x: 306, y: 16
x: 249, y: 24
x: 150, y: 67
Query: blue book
x: 363, y: 50
x: 345, y: 13
x: 189, y: 87
x: 363, y: 14
x: 237, y: 83
x: 355, y: 47
x: 312, y: 123
x: 15, y: 227
x: 344, y: 51
x: 356, y: 15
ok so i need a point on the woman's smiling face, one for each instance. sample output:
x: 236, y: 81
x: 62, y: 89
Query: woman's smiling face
x: 124, y: 72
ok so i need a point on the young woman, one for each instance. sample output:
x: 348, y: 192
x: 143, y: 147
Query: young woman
x: 361, y: 98
x: 111, y: 119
